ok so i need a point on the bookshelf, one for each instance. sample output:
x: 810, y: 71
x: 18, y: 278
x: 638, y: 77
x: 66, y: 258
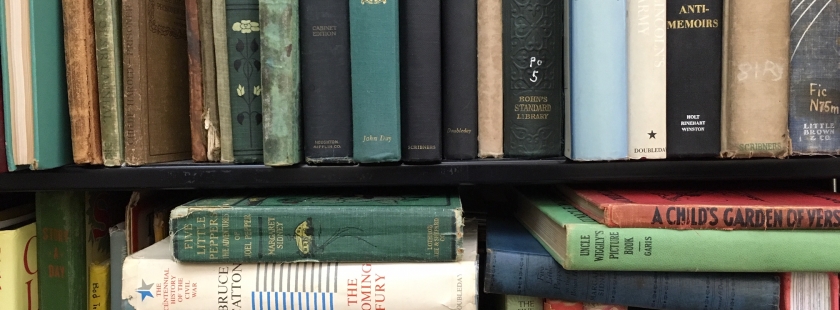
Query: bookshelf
x: 185, y: 175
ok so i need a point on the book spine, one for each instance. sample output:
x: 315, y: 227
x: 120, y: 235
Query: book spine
x: 556, y: 304
x: 490, y: 86
x: 375, y: 80
x: 198, y: 135
x: 135, y: 113
x: 244, y: 67
x: 339, y: 286
x: 647, y: 83
x: 7, y: 157
x: 538, y: 275
x: 222, y: 80
x: 814, y: 79
x: 208, y: 80
x: 4, y: 163
x: 460, y: 88
x: 533, y: 109
x: 19, y: 277
x: 755, y: 79
x: 82, y: 90
x: 98, y: 288
x: 280, y: 98
x: 106, y: 18
x: 592, y: 246
x: 325, y: 65
x: 694, y: 52
x: 598, y: 80
x: 119, y: 250
x: 425, y: 234
x: 420, y: 76
x: 61, y: 249
x: 519, y: 302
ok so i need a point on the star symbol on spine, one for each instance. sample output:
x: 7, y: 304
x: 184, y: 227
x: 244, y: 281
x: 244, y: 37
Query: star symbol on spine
x: 652, y: 135
x: 145, y: 290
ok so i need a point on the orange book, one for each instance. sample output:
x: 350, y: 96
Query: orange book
x: 556, y: 304
x: 707, y: 208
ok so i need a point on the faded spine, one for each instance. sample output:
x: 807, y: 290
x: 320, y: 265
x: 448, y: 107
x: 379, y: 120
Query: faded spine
x: 222, y: 80
x: 198, y: 135
x: 490, y: 118
x: 208, y: 71
x: 106, y: 15
x: 134, y: 117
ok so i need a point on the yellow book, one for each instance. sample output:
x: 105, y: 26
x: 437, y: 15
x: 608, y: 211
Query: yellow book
x: 19, y: 268
x: 99, y: 288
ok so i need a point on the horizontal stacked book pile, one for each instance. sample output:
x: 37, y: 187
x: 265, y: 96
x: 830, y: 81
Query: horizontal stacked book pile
x: 668, y: 247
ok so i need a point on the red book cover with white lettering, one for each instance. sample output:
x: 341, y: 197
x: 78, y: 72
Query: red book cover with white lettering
x: 809, y: 291
x: 706, y: 208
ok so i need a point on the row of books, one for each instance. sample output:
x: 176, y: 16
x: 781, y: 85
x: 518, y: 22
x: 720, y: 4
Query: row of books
x: 280, y: 83
x: 415, y: 250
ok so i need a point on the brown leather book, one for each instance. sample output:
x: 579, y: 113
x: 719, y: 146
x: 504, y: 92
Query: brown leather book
x: 82, y: 87
x: 756, y: 35
x: 197, y: 131
x: 156, y: 81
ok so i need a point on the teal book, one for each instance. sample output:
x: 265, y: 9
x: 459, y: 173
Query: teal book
x: 281, y: 96
x: 47, y: 87
x: 243, y: 44
x: 331, y: 228
x: 375, y: 80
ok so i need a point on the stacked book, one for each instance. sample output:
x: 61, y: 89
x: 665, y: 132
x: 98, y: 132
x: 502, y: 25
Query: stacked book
x: 669, y: 247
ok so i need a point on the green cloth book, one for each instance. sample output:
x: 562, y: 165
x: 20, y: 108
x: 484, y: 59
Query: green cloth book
x: 579, y: 243
x: 280, y: 58
x: 244, y: 66
x: 335, y: 228
x: 218, y: 10
x: 108, y: 36
x: 375, y: 80
x: 50, y: 123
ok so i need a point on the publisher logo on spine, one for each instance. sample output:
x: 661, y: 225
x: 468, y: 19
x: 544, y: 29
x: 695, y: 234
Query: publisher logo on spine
x: 145, y: 290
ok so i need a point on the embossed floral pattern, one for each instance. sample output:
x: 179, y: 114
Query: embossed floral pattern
x: 246, y: 26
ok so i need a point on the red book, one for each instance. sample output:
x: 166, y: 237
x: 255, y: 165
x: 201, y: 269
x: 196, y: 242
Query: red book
x: 555, y: 304
x: 686, y: 208
x: 809, y: 290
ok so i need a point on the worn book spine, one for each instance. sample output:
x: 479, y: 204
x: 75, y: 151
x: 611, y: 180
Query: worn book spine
x: 656, y: 249
x: 219, y: 10
x: 299, y: 233
x: 756, y: 58
x: 119, y: 250
x: 325, y: 65
x: 647, y: 83
x: 156, y: 80
x: 210, y: 117
x: 694, y: 38
x: 281, y: 96
x: 460, y: 84
x: 244, y: 67
x: 518, y: 302
x: 3, y: 121
x: 99, y: 286
x: 598, y: 80
x: 375, y: 80
x: 108, y: 32
x: 814, y: 79
x: 61, y: 250
x: 510, y: 272
x: 82, y: 90
x: 198, y: 135
x: 305, y: 285
x: 19, y: 275
x: 533, y: 79
x: 420, y: 75
x: 490, y: 86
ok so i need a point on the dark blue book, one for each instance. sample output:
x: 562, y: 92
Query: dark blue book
x: 815, y: 79
x: 518, y: 264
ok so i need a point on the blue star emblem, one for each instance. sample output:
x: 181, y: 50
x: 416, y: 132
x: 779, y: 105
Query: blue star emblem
x: 145, y: 290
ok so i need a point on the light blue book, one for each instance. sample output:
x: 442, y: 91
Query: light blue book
x: 119, y: 250
x: 51, y: 118
x: 597, y: 78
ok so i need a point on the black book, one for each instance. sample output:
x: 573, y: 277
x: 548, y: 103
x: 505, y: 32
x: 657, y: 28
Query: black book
x: 460, y: 84
x: 420, y: 91
x: 694, y: 38
x: 533, y: 78
x: 325, y: 81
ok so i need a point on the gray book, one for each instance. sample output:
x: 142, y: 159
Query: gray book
x: 119, y: 250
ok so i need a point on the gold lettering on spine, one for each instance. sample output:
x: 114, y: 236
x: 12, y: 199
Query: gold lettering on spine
x: 693, y: 23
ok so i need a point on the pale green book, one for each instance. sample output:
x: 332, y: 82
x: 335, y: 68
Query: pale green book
x: 280, y: 98
x: 578, y: 242
x: 222, y: 80
x: 108, y: 35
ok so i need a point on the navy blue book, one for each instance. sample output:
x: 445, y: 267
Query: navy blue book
x: 518, y: 264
